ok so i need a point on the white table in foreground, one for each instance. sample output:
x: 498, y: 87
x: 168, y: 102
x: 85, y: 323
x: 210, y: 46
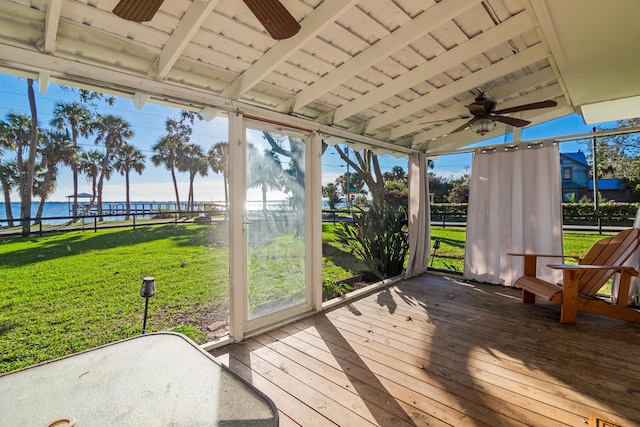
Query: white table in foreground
x: 161, y: 379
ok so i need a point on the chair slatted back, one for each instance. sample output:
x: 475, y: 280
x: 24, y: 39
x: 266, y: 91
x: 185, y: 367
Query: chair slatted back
x: 608, y: 251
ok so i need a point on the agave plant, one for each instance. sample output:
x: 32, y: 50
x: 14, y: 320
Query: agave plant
x: 379, y: 238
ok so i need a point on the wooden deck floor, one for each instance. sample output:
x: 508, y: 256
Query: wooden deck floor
x: 435, y: 351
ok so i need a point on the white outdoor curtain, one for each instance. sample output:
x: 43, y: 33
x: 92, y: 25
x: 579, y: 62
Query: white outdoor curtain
x: 514, y: 207
x: 633, y: 261
x: 419, y: 216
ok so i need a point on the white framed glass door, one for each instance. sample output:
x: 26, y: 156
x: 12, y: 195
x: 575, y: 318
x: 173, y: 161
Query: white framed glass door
x: 275, y: 222
x: 274, y: 265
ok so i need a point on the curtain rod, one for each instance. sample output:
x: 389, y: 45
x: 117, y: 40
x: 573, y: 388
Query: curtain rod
x: 559, y: 139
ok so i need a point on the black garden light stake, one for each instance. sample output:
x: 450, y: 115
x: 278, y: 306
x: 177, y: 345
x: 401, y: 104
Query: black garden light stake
x: 436, y: 246
x: 147, y: 290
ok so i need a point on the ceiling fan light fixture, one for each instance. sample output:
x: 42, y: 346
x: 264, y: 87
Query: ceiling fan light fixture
x: 482, y: 125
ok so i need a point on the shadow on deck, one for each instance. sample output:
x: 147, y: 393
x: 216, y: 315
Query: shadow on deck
x: 436, y: 351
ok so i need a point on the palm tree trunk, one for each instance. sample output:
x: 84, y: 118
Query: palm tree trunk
x: 175, y: 187
x: 226, y: 193
x: 7, y: 203
x: 38, y: 220
x: 100, y: 184
x: 126, y: 183
x: 33, y: 144
x: 264, y: 199
x: 191, y: 202
x: 74, y: 214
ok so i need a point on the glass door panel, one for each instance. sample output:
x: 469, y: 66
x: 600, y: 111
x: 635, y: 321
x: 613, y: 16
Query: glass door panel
x: 275, y: 222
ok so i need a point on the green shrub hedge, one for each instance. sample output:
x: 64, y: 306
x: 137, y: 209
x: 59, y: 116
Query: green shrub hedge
x: 573, y: 213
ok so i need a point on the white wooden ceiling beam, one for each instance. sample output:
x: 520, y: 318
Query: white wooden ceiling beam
x: 430, y: 19
x: 480, y: 77
x: 534, y: 79
x: 43, y: 82
x: 103, y: 20
x: 473, y: 47
x: 186, y: 29
x: 318, y: 20
x: 94, y: 77
x: 51, y: 22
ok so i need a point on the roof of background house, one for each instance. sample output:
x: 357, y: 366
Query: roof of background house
x: 608, y: 184
x: 578, y: 157
x: 572, y: 185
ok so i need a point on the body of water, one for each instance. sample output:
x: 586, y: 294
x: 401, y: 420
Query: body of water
x: 56, y: 213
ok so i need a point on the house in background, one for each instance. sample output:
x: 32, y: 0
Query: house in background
x: 577, y: 183
x: 575, y: 176
x: 611, y: 189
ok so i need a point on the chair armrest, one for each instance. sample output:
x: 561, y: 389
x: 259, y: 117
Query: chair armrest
x: 630, y: 270
x: 577, y: 258
x: 537, y: 255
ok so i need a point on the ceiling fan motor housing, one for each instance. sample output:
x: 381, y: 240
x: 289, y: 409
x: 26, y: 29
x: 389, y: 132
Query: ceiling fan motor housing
x: 482, y: 105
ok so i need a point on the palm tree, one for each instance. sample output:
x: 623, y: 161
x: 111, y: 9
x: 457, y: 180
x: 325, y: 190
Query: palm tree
x: 17, y: 134
x: 76, y: 120
x: 128, y: 158
x: 90, y: 164
x: 265, y: 172
x: 218, y: 157
x: 112, y: 131
x: 167, y: 150
x: 8, y: 179
x: 54, y: 147
x: 8, y: 172
x: 330, y: 191
x: 397, y: 173
x: 192, y: 160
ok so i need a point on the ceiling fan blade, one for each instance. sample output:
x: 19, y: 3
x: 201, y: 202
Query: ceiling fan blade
x: 533, y: 106
x: 449, y: 120
x: 275, y: 18
x: 511, y: 121
x: 137, y: 10
x: 462, y: 127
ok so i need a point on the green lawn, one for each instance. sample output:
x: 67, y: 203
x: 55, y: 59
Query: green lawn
x: 67, y: 292
x: 337, y: 262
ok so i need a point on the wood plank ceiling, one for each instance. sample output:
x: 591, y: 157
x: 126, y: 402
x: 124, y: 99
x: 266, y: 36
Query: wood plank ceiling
x: 396, y: 71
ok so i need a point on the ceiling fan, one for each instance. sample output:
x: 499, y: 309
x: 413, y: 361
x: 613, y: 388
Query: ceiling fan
x: 484, y: 114
x: 275, y: 18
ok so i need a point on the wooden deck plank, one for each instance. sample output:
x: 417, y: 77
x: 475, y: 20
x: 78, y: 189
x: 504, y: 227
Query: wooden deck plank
x: 417, y: 406
x: 485, y: 338
x: 286, y: 397
x: 455, y: 389
x: 317, y: 378
x: 470, y: 370
x: 436, y: 351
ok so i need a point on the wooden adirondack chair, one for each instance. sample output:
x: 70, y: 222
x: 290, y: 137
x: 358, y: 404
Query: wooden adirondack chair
x: 580, y: 283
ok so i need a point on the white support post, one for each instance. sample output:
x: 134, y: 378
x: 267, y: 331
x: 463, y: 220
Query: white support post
x: 314, y: 218
x: 237, y: 227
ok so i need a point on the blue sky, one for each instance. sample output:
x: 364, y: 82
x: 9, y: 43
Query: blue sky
x: 155, y: 183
